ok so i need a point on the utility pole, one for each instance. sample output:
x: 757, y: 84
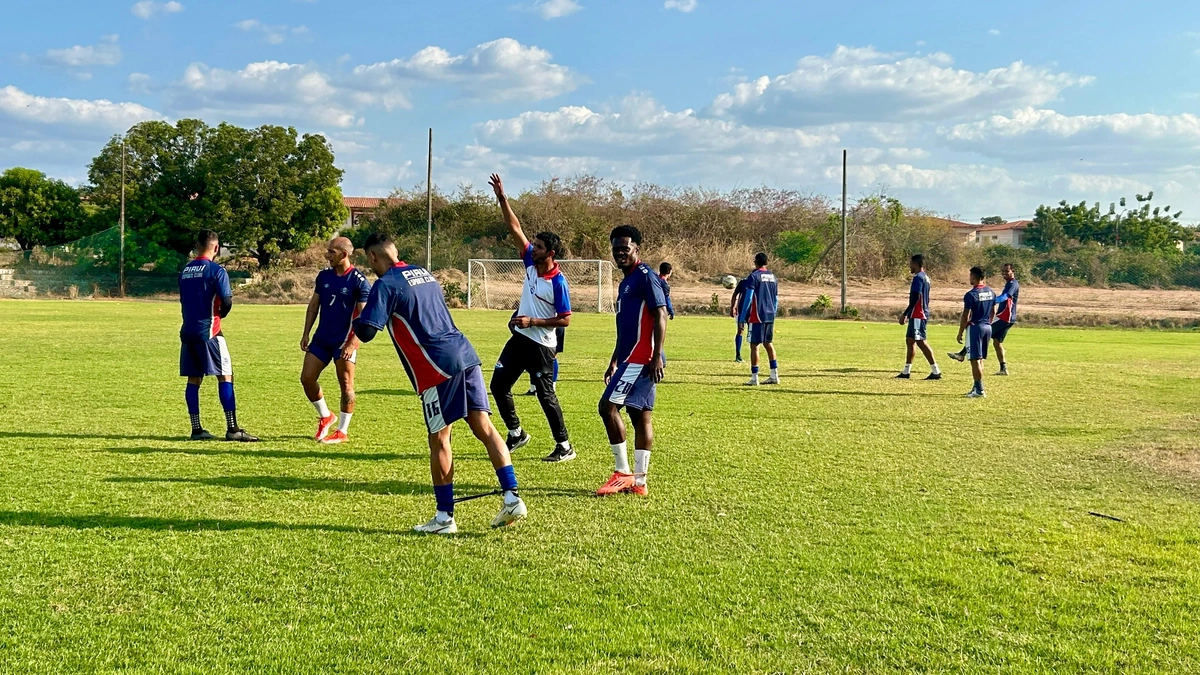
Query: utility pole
x: 843, y: 231
x: 121, y: 256
x: 429, y: 206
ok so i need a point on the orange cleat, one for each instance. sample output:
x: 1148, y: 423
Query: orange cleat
x: 639, y: 490
x: 324, y: 425
x: 618, y: 482
x: 338, y: 436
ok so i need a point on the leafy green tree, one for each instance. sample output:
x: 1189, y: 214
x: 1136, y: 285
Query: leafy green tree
x: 798, y: 248
x: 992, y: 220
x: 38, y: 211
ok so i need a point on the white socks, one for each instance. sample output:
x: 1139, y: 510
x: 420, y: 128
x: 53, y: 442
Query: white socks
x: 322, y: 409
x: 775, y: 373
x: 933, y: 368
x: 641, y: 466
x: 566, y: 445
x: 515, y: 433
x: 344, y: 421
x: 907, y: 368
x: 621, y: 457
x: 510, y: 498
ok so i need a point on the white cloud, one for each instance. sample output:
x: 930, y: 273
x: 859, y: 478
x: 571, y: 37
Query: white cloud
x: 106, y: 53
x: 267, y: 89
x: 681, y: 5
x: 19, y: 106
x: 148, y: 9
x: 993, y: 32
x: 556, y: 9
x: 272, y: 33
x: 378, y: 178
x: 863, y: 84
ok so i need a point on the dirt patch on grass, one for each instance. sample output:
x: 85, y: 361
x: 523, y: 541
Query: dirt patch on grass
x: 1174, y: 450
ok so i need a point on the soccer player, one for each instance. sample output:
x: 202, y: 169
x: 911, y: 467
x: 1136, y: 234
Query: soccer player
x: 1006, y: 316
x: 735, y: 312
x: 560, y: 336
x: 664, y: 274
x: 205, y: 298
x: 339, y: 295
x: 545, y: 306
x: 760, y: 302
x: 917, y: 317
x: 636, y: 365
x: 444, y: 369
x: 979, y: 307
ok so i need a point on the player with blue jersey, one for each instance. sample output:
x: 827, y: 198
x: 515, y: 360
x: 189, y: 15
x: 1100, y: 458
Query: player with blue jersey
x: 736, y: 311
x: 916, y: 315
x: 664, y: 275
x: 544, y: 308
x: 339, y: 294
x: 636, y: 365
x: 206, y: 298
x: 979, y: 308
x: 760, y: 302
x: 443, y: 368
x: 1006, y: 317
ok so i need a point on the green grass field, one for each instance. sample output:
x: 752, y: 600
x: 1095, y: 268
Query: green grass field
x: 841, y: 522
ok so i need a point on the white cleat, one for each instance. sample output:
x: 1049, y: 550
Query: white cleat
x: 438, y: 526
x: 510, y: 513
x: 957, y: 356
x: 975, y: 394
x: 1003, y: 373
x: 774, y: 379
x: 752, y: 383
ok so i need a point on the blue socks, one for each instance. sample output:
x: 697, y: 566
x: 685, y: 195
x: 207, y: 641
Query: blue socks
x: 737, y: 343
x: 445, y: 498
x: 191, y: 394
x: 979, y: 386
x: 774, y: 364
x: 754, y: 370
x: 507, y: 478
x: 555, y: 371
x: 229, y: 404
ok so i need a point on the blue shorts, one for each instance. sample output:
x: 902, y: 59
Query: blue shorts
x: 916, y: 329
x: 326, y: 352
x: 762, y: 333
x: 631, y: 386
x: 201, y: 357
x: 1000, y: 329
x: 450, y: 401
x: 978, y: 337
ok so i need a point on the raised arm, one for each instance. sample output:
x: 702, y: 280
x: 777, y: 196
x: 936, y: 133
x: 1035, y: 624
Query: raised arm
x: 510, y: 218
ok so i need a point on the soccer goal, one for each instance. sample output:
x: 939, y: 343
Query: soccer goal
x: 496, y: 284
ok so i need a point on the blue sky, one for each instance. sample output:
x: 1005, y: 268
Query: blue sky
x: 968, y: 109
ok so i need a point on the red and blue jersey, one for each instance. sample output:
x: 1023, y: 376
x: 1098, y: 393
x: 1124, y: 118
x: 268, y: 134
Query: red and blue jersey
x: 980, y: 301
x: 1007, y: 302
x: 410, y: 303
x: 918, y: 297
x: 340, y: 295
x: 760, y: 300
x: 666, y: 287
x: 542, y: 297
x: 638, y: 297
x: 202, y: 285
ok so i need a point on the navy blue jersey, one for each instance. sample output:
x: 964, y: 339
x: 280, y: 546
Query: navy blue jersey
x: 739, y: 294
x: 980, y: 301
x: 638, y: 297
x: 410, y: 303
x: 666, y: 288
x: 1007, y: 302
x: 761, y: 299
x: 918, y: 297
x: 340, y: 295
x: 202, y: 285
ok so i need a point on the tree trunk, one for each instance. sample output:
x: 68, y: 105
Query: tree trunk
x: 263, y: 255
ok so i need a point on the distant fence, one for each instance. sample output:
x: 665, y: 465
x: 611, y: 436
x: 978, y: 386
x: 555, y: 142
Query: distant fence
x: 497, y: 284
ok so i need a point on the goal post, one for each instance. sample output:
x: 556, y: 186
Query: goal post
x: 497, y: 284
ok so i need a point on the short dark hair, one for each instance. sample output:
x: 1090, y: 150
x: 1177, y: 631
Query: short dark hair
x: 552, y: 241
x: 664, y: 269
x: 630, y: 231
x: 204, y: 238
x: 978, y: 273
x: 1008, y: 266
x: 920, y: 260
x: 760, y: 259
x: 378, y: 239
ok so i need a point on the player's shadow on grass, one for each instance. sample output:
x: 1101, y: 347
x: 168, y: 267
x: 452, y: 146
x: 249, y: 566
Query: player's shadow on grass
x: 827, y: 392
x: 385, y: 392
x: 94, y: 521
x: 100, y: 437
x: 857, y: 370
x: 287, y: 483
x: 272, y: 454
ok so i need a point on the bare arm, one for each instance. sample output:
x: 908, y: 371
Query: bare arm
x: 310, y: 317
x: 962, y: 323
x: 660, y: 335
x: 510, y: 218
x: 352, y: 341
x: 560, y: 321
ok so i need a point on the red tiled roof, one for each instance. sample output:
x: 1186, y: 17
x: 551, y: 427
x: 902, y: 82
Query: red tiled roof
x: 956, y: 224
x: 1014, y: 225
x: 369, y: 202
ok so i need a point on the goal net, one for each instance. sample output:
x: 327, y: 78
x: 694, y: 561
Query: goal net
x: 496, y: 284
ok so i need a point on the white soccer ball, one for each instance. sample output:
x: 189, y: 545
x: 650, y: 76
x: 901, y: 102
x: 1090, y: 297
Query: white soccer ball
x: 729, y: 281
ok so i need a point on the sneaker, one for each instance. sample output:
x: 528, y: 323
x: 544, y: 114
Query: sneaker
x: 531, y: 391
x: 510, y: 513
x: 774, y: 379
x: 904, y: 376
x: 338, y: 436
x: 438, y: 526
x: 240, y: 435
x: 738, y: 360
x: 618, y: 482
x: 324, y: 425
x: 752, y: 383
x: 1003, y: 372
x: 957, y: 356
x: 975, y: 394
x: 202, y: 435
x: 560, y: 454
x: 934, y: 376
x: 640, y: 490
x: 515, y: 442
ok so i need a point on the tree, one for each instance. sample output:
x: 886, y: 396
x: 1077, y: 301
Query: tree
x: 991, y: 220
x: 38, y: 211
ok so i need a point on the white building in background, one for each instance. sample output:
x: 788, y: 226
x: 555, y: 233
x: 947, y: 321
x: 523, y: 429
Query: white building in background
x: 1006, y: 234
